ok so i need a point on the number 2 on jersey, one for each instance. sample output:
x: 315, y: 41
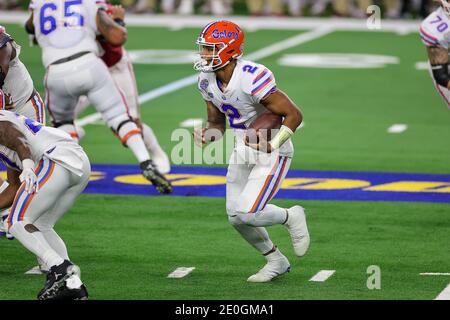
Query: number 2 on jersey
x: 31, y: 125
x: 72, y: 18
x: 232, y: 114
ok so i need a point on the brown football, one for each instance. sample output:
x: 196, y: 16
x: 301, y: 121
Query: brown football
x: 267, y: 123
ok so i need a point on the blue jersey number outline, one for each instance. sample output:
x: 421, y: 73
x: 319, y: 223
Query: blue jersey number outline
x: 441, y: 26
x: 249, y: 68
x: 31, y: 125
x: 44, y: 19
x: 233, y: 114
x: 68, y: 13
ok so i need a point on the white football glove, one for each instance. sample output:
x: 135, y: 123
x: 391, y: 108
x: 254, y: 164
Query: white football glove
x: 28, y: 175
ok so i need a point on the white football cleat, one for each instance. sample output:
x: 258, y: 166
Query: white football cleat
x: 296, y: 224
x: 277, y: 265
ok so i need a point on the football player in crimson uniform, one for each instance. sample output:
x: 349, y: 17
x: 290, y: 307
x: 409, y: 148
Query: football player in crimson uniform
x: 242, y: 90
x: 121, y: 69
x: 70, y: 55
x: 434, y: 32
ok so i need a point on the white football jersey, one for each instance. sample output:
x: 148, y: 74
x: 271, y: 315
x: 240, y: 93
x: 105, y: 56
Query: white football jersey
x: 18, y: 82
x: 43, y: 141
x: 435, y: 29
x: 240, y: 102
x: 64, y: 27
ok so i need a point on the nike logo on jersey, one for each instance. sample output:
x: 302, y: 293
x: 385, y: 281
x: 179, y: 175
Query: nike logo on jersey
x: 51, y: 150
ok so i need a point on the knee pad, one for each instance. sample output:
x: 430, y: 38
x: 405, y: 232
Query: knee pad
x: 124, y: 127
x: 234, y: 220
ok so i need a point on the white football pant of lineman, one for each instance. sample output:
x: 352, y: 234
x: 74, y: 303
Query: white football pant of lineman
x: 123, y: 75
x: 58, y: 190
x: 89, y: 76
x: 249, y: 189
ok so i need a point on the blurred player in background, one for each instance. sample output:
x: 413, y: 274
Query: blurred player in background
x: 243, y: 90
x: 19, y: 93
x: 67, y: 35
x: 121, y: 69
x: 434, y: 31
x: 16, y: 82
x: 47, y: 171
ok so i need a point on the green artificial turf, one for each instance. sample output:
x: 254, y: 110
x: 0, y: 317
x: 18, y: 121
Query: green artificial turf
x: 127, y: 245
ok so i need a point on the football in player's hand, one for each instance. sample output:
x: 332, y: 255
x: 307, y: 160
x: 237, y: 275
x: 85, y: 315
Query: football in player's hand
x: 267, y: 124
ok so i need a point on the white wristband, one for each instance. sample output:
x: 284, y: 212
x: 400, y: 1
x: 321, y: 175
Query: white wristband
x: 28, y: 164
x: 281, y: 137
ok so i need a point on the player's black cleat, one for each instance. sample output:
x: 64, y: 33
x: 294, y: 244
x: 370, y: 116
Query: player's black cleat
x: 72, y: 294
x: 56, y: 278
x: 152, y: 174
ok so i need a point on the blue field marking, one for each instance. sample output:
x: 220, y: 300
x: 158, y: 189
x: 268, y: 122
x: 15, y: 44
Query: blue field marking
x: 298, y: 185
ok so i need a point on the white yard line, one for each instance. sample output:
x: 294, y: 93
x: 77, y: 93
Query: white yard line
x: 322, y: 275
x: 181, y: 272
x: 176, y: 22
x: 397, y: 128
x: 445, y: 294
x: 435, y: 274
x: 192, y: 123
x: 190, y: 80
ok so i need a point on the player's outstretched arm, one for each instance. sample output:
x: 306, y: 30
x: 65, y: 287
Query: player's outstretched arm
x: 114, y: 33
x: 8, y: 195
x: 439, y: 60
x: 215, y: 127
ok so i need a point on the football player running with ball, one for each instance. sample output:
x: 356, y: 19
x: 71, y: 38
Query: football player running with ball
x: 243, y: 91
x: 434, y: 31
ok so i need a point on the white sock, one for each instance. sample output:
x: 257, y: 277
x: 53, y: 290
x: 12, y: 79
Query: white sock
x: 57, y: 244
x: 256, y: 236
x: 276, y: 255
x: 137, y: 146
x: 36, y: 243
x: 150, y: 140
x: 269, y: 216
x: 134, y: 142
x: 42, y: 264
